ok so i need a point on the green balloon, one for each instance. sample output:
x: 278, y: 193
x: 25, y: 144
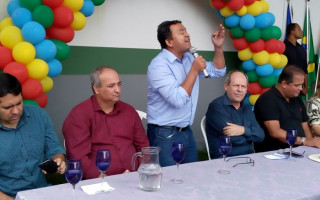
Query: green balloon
x: 266, y: 34
x: 267, y: 81
x: 236, y: 32
x: 271, y: 32
x: 63, y: 50
x: 30, y: 102
x: 30, y: 4
x: 43, y: 15
x: 252, y: 76
x: 97, y: 2
x: 253, y: 34
x: 276, y: 32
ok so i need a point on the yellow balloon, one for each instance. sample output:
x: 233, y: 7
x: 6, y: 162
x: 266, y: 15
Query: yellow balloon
x: 5, y: 22
x: 10, y: 36
x: 283, y: 62
x: 253, y: 98
x: 255, y: 9
x: 74, y: 5
x: 274, y: 59
x: 47, y: 84
x: 226, y: 11
x: 265, y: 6
x: 24, y: 52
x: 37, y: 69
x: 261, y: 57
x: 245, y: 54
x: 79, y: 21
x: 243, y: 10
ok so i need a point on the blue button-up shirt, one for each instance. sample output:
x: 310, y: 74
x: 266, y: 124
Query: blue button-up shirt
x: 168, y: 103
x: 221, y: 111
x: 23, y: 148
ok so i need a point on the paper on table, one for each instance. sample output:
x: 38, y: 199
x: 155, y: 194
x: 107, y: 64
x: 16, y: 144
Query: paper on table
x: 276, y: 156
x: 315, y: 157
x: 97, y: 188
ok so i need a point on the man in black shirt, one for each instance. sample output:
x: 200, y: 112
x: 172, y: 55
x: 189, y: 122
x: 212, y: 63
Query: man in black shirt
x: 295, y: 53
x: 280, y: 109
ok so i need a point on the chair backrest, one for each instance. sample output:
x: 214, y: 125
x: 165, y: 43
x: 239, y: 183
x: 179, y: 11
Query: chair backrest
x: 203, y: 130
x: 142, y: 114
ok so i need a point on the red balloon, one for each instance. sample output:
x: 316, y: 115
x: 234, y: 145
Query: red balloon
x: 18, y: 70
x: 248, y: 2
x: 5, y: 56
x: 31, y: 89
x: 42, y: 100
x: 264, y: 90
x: 272, y: 45
x: 63, y: 16
x: 240, y: 43
x: 235, y: 4
x: 257, y: 46
x: 64, y: 34
x: 218, y: 4
x: 281, y: 47
x: 254, y: 88
x: 51, y: 3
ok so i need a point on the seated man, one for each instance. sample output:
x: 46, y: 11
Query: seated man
x: 103, y: 121
x: 27, y: 139
x: 280, y: 109
x: 228, y: 115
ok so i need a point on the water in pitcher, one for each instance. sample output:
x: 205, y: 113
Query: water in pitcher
x: 150, y: 176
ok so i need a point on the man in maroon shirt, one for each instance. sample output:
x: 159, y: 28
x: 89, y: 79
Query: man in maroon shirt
x: 103, y: 121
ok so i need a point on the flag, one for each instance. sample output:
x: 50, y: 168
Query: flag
x: 289, y: 18
x: 311, y: 58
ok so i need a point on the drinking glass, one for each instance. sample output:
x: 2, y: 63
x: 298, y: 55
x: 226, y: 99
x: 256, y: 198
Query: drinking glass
x: 73, y: 173
x: 291, y: 138
x: 224, y: 148
x: 177, y: 153
x: 103, y: 161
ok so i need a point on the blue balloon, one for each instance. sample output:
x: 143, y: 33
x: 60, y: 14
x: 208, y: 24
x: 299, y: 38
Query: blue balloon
x: 232, y: 21
x: 249, y: 65
x: 55, y: 68
x: 87, y: 8
x: 261, y: 21
x: 264, y: 70
x: 277, y: 71
x: 21, y: 16
x: 46, y: 50
x: 270, y: 18
x: 247, y: 22
x: 246, y: 100
x: 33, y: 32
x: 12, y: 6
x: 219, y: 14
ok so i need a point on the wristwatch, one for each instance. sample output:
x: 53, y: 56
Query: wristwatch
x: 302, y: 140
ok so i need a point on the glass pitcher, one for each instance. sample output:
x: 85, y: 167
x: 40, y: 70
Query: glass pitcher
x: 150, y: 173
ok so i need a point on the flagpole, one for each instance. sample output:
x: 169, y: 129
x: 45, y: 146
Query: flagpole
x: 315, y: 87
x: 308, y: 29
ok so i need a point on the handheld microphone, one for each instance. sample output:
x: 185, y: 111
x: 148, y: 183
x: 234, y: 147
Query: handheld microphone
x: 195, y: 54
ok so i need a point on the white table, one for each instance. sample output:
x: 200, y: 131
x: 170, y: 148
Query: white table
x: 267, y: 179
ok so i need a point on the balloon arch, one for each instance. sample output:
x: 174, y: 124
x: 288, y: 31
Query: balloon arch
x: 33, y: 41
x: 257, y: 41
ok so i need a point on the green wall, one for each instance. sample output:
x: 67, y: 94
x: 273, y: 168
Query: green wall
x: 83, y: 60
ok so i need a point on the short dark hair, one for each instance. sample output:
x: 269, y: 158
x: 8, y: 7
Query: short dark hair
x: 288, y: 72
x: 164, y: 31
x: 291, y: 27
x: 9, y: 85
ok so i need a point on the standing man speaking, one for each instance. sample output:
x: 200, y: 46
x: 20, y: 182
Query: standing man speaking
x: 173, y: 89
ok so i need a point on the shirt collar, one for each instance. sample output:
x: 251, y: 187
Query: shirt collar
x: 96, y: 107
x: 227, y: 101
x: 171, y: 57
